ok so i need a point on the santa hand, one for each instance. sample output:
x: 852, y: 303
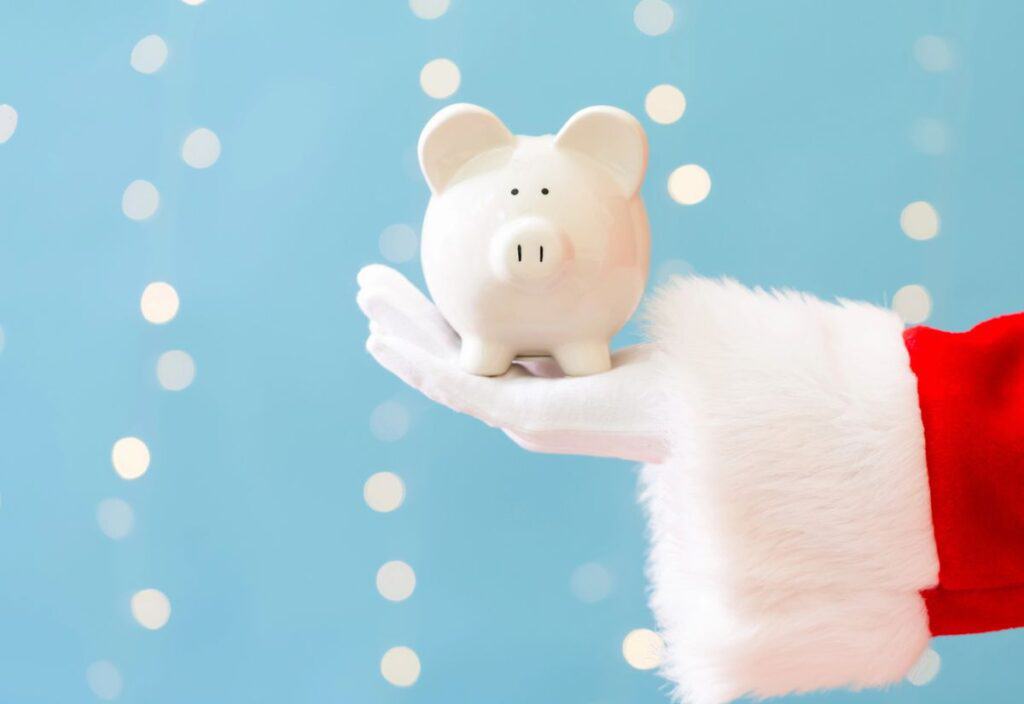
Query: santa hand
x: 612, y: 414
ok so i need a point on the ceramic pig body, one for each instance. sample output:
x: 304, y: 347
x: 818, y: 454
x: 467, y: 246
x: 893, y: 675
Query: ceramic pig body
x: 535, y: 245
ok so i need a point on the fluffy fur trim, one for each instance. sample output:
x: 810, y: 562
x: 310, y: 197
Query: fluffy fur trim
x: 791, y: 526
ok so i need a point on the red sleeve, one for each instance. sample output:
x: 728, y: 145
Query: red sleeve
x: 971, y: 394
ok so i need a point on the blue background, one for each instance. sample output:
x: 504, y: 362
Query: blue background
x: 251, y: 516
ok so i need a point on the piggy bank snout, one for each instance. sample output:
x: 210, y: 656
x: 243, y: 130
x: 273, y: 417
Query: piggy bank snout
x: 528, y: 249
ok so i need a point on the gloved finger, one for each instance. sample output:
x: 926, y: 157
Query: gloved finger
x: 395, y: 320
x: 545, y: 367
x: 442, y: 381
x: 402, y: 291
x: 626, y: 446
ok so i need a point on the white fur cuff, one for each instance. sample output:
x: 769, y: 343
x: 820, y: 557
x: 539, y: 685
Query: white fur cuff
x: 791, y: 527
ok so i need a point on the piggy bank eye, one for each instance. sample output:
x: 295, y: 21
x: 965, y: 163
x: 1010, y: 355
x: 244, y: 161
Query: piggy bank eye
x: 544, y: 191
x: 515, y: 191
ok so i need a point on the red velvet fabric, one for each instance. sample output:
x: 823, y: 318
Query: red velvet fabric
x: 971, y: 393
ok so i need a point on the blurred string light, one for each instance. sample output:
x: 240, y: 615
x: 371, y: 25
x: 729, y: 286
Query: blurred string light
x: 930, y: 136
x: 149, y: 54
x: 104, y: 680
x: 175, y: 370
x: 8, y: 122
x: 912, y: 303
x: 389, y: 421
x: 689, y: 184
x: 933, y: 54
x: 919, y: 221
x: 398, y: 243
x: 384, y: 492
x: 151, y: 608
x: 201, y: 148
x: 115, y: 518
x: 665, y: 104
x: 140, y: 200
x: 396, y: 580
x: 428, y: 9
x: 643, y: 649
x: 653, y: 17
x: 440, y: 78
x: 159, y: 303
x: 925, y: 669
x: 590, y: 582
x: 130, y: 457
x: 400, y: 666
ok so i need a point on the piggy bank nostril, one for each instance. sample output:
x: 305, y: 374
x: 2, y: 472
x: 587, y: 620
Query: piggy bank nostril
x: 542, y: 254
x: 519, y: 252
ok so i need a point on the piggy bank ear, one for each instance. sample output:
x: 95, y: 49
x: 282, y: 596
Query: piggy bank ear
x: 613, y: 137
x: 455, y: 135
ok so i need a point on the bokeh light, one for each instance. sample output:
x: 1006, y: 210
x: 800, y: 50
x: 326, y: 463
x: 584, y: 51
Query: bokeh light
x: 175, y: 370
x: 130, y: 457
x: 193, y: 2
x: 933, y: 53
x: 428, y: 9
x: 201, y: 148
x: 643, y: 649
x: 440, y: 78
x: 400, y: 666
x: 151, y: 608
x: 398, y: 243
x: 689, y: 184
x: 396, y: 580
x: 591, y: 582
x: 104, y: 680
x: 919, y: 221
x: 930, y: 136
x: 665, y: 104
x: 8, y: 122
x: 149, y: 54
x: 159, y: 303
x: 115, y: 518
x: 653, y: 17
x: 384, y: 492
x: 925, y: 669
x: 912, y: 303
x: 140, y: 200
x: 389, y: 421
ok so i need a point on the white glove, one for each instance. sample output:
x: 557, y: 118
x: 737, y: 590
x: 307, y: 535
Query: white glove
x: 612, y: 414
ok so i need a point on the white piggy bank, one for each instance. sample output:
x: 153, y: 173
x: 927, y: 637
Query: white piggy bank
x: 535, y: 245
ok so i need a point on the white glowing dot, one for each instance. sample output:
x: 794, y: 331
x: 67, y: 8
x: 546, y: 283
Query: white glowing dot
x: 8, y: 122
x: 933, y: 53
x: 925, y: 669
x: 104, y: 680
x: 159, y: 303
x: 384, y: 492
x: 151, y: 608
x: 201, y: 148
x: 149, y: 54
x: 913, y: 303
x: 653, y: 17
x: 398, y: 243
x: 140, y: 200
x: 689, y: 184
x: 440, y: 78
x: 930, y: 136
x: 175, y: 370
x: 919, y: 221
x: 115, y: 518
x: 396, y: 580
x: 665, y: 104
x: 428, y: 9
x: 389, y: 421
x: 643, y: 649
x: 193, y: 2
x: 130, y: 457
x: 590, y: 582
x: 400, y: 666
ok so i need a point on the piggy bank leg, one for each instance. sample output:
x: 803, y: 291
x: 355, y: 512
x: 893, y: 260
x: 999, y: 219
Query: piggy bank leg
x: 485, y: 358
x: 583, y: 358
